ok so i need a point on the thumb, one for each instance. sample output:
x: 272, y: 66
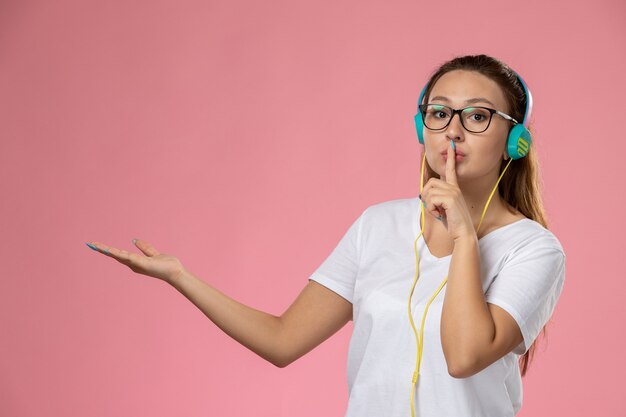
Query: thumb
x: 145, y: 247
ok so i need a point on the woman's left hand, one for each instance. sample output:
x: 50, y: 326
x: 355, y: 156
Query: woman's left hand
x: 444, y: 200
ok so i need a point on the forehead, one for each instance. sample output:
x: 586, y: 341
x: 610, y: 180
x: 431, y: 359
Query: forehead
x: 459, y: 86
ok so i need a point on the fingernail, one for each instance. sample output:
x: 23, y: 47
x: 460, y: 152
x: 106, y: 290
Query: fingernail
x: 424, y: 204
x: 91, y: 246
x: 453, y: 146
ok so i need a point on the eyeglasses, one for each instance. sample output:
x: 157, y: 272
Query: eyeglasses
x: 473, y: 119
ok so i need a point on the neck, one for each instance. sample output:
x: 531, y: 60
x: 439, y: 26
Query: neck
x: 476, y: 193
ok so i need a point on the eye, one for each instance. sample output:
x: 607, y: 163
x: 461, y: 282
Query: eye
x: 476, y: 115
x: 438, y: 112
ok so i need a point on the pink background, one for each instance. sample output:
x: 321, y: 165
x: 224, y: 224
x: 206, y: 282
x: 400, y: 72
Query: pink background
x: 244, y: 138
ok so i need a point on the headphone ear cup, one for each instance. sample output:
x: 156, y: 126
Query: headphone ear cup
x: 419, y: 126
x: 518, y: 143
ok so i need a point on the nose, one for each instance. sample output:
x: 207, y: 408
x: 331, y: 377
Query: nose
x: 455, y: 127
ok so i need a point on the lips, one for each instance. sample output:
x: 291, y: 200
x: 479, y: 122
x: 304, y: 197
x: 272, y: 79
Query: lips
x: 458, y: 153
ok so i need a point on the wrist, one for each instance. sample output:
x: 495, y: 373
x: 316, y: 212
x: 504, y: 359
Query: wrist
x: 177, y: 278
x: 466, y: 239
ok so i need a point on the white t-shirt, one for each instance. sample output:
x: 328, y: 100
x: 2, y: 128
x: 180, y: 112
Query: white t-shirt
x: 373, y: 267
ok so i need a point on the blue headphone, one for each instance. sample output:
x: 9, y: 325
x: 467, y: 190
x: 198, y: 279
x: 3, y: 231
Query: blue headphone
x: 518, y: 142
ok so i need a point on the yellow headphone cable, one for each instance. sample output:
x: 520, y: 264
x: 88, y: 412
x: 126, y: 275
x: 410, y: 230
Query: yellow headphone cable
x: 419, y: 339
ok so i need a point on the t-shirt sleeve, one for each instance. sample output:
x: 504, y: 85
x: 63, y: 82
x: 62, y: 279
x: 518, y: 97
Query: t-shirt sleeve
x: 528, y: 287
x: 340, y: 269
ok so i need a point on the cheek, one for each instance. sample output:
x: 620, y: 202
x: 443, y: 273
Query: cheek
x: 433, y: 156
x: 500, y: 146
x: 488, y: 154
x: 433, y: 144
x: 501, y: 135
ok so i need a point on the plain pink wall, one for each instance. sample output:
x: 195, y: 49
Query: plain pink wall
x: 245, y: 137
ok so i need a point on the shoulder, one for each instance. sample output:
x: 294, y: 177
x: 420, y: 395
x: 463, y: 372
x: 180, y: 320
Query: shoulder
x: 393, y: 207
x: 389, y: 216
x: 531, y: 237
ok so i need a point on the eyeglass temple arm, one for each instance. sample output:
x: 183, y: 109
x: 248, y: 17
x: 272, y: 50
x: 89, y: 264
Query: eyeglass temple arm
x: 507, y: 117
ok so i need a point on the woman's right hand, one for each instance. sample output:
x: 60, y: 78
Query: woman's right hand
x: 154, y: 264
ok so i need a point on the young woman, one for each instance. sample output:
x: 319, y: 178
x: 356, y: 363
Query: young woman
x: 464, y: 277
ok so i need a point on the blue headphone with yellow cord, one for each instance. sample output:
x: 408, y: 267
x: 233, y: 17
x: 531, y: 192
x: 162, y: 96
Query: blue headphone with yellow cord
x: 518, y: 142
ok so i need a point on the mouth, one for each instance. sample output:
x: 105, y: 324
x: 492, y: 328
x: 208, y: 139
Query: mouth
x: 458, y: 153
x: 459, y: 156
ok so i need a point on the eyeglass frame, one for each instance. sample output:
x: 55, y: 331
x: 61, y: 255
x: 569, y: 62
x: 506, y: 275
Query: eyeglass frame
x: 422, y: 109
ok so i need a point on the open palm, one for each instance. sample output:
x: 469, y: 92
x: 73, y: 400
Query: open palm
x: 154, y: 264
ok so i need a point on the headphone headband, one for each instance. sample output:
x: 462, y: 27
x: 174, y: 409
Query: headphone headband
x: 529, y: 101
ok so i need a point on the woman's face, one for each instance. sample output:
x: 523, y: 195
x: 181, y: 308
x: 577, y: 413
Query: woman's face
x: 481, y: 153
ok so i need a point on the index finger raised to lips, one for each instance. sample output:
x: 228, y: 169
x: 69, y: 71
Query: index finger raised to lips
x: 450, y: 175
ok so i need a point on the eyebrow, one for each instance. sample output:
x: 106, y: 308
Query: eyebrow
x: 470, y: 101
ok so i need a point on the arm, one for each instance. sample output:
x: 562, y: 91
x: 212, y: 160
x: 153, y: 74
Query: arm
x: 474, y: 334
x: 315, y: 315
